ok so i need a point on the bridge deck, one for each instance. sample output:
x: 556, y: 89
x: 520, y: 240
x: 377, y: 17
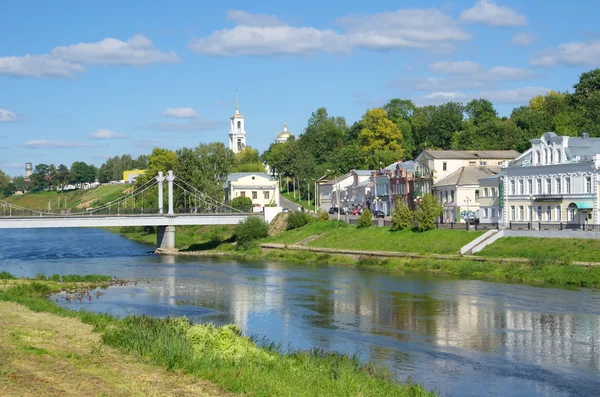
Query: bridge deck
x: 58, y: 221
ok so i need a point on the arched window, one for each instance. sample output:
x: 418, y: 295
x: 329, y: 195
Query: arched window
x: 558, y: 159
x: 239, y: 125
x: 240, y: 145
x: 551, y: 158
x: 537, y: 157
x: 546, y: 156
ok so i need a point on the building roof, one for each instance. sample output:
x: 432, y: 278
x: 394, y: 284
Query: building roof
x: 472, y: 154
x: 362, y: 172
x: 467, y: 176
x: 406, y: 165
x: 234, y: 176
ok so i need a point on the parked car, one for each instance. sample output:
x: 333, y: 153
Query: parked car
x: 356, y: 211
x: 334, y: 210
x: 285, y: 210
x: 378, y: 214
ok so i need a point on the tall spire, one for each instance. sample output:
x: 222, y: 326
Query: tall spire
x: 237, y: 107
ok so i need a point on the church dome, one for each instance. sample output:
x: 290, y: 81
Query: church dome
x: 284, y: 135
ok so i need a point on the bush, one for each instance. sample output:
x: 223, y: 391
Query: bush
x: 429, y: 210
x: 6, y: 276
x: 402, y: 218
x: 365, y: 219
x: 298, y: 219
x: 250, y: 230
x: 322, y: 216
x: 243, y: 204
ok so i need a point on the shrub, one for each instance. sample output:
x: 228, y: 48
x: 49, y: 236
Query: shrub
x: 243, y: 204
x: 402, y: 218
x: 6, y: 276
x: 250, y: 230
x: 322, y: 216
x: 365, y: 219
x: 429, y: 210
x: 298, y: 219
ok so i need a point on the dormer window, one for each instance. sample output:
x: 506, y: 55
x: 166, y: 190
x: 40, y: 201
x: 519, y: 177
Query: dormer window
x: 558, y: 159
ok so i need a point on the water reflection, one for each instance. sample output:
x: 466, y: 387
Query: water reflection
x: 460, y: 337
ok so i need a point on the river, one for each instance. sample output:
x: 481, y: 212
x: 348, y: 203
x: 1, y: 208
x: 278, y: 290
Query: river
x: 458, y: 337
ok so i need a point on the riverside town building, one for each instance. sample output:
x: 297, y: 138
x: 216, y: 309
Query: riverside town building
x: 554, y: 182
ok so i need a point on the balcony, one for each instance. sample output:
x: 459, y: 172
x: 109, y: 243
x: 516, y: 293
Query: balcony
x: 547, y: 197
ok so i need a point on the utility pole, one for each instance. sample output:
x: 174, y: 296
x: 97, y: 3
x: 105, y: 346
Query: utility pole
x: 337, y: 191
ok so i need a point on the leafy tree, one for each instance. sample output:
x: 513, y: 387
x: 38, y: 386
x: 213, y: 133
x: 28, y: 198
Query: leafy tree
x: 586, y: 100
x: 81, y: 173
x: 40, y: 177
x: 365, y: 219
x: 4, y: 184
x: 250, y: 230
x: 161, y: 160
x: 402, y: 218
x: 427, y: 213
x: 298, y: 219
x: 381, y: 136
x: 323, y: 134
x: 445, y: 120
x: 480, y: 111
x: 400, y: 111
x: 243, y: 204
x: 62, y: 176
x: 19, y: 184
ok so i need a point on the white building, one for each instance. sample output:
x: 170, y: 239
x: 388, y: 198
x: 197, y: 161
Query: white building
x: 330, y: 191
x: 237, y: 132
x: 554, y: 182
x: 459, y: 193
x: 261, y: 188
x: 490, y: 209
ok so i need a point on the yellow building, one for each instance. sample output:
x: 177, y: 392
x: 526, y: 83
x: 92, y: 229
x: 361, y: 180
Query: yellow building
x: 130, y: 175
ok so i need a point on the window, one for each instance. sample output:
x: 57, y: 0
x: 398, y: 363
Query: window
x: 483, y: 163
x: 485, y: 192
x: 254, y: 195
x: 558, y: 187
x: 530, y: 213
x: 521, y: 213
x: 571, y: 214
x: 444, y: 166
x: 485, y: 212
x: 537, y: 157
x: 539, y: 186
x: 539, y: 213
x: 446, y: 196
x: 512, y: 212
x: 529, y: 186
x: 551, y: 158
x: 243, y: 194
x: 266, y: 195
x: 558, y: 156
x: 494, y: 192
x: 557, y: 214
x: 521, y: 189
x: 493, y: 212
x: 588, y: 184
x: 477, y: 195
x: 548, y: 185
x: 452, y: 196
x: 548, y: 213
x: 512, y: 187
x: 568, y: 185
x: 472, y: 163
x: 239, y: 125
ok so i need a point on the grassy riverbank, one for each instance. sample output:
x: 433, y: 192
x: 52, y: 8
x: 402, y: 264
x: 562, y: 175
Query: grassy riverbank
x: 76, y: 199
x: 61, y: 343
x: 557, y: 250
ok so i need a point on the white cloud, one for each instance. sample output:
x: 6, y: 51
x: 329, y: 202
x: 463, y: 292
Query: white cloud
x: 571, y: 54
x: 487, y: 12
x: 181, y: 113
x: 266, y: 35
x: 196, y: 125
x: 138, y: 50
x: 508, y: 74
x: 7, y: 116
x: 107, y: 134
x: 513, y: 97
x: 67, y: 61
x: 46, y: 144
x: 524, y: 39
x: 459, y: 67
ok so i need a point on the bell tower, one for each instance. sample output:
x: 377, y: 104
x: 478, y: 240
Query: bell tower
x: 237, y: 132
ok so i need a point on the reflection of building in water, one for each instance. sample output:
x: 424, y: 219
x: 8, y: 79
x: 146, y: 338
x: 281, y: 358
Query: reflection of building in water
x: 169, y: 288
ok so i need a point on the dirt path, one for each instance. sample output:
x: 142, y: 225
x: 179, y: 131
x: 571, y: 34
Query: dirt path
x: 46, y: 355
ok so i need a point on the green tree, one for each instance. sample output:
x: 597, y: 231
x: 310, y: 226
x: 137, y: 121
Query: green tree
x: 400, y: 112
x: 445, y: 120
x: 480, y: 111
x: 402, y: 218
x: 323, y: 134
x: 427, y: 213
x: 250, y: 230
x: 62, y: 176
x: 243, y: 204
x: 161, y: 160
x: 365, y: 219
x: 4, y: 184
x: 380, y: 136
x: 40, y: 177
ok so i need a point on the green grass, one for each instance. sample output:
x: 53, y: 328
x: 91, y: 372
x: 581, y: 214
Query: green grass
x: 223, y: 355
x: 552, y: 249
x: 187, y: 238
x: 76, y: 199
x: 340, y: 235
x: 532, y: 272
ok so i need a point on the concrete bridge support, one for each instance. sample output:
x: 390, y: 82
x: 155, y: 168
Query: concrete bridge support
x: 165, y: 237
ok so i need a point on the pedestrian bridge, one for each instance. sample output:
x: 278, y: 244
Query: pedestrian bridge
x: 115, y: 213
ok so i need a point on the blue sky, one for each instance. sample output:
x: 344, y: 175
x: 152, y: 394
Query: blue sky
x: 84, y: 81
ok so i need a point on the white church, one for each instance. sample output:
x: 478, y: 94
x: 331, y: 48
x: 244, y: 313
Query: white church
x: 237, y: 132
